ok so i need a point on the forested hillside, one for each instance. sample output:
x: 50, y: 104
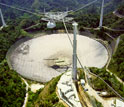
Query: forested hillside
x: 113, y: 21
x: 117, y: 62
x: 12, y: 88
x: 52, y: 5
x: 121, y: 10
x: 112, y: 5
x: 48, y: 4
x: 59, y: 4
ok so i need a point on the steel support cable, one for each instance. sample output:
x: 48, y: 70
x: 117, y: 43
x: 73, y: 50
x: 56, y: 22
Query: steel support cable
x: 67, y: 32
x: 72, y: 43
x: 20, y: 9
x: 88, y: 70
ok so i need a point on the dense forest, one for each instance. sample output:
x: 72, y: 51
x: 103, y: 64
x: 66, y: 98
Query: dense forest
x: 12, y: 88
x: 8, y: 36
x: 121, y: 10
x: 60, y: 4
x: 113, y: 21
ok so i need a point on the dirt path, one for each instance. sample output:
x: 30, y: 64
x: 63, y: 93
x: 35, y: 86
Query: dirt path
x: 115, y: 76
x: 93, y: 93
x: 83, y: 98
x: 26, y: 96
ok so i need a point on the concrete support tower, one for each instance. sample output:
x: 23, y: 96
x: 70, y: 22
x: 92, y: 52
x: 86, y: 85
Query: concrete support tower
x: 101, y: 16
x: 74, y: 70
x: 3, y: 21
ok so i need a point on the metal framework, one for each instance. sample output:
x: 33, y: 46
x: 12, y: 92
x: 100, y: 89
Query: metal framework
x: 74, y: 71
x: 3, y: 21
x: 101, y: 16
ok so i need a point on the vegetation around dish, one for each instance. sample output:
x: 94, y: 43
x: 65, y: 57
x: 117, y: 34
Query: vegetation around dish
x: 45, y: 97
x: 108, y: 78
x: 117, y: 62
x: 12, y: 88
x: 121, y: 10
